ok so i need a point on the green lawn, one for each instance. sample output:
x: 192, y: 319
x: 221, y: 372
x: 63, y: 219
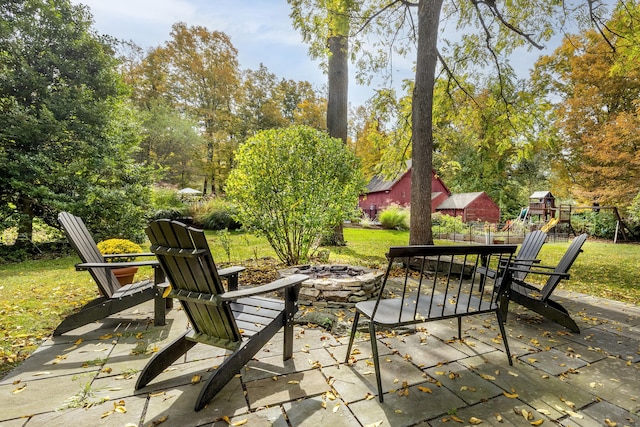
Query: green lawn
x: 36, y: 295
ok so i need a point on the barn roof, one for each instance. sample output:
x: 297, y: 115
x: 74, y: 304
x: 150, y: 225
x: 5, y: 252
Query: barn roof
x: 378, y: 183
x: 459, y: 201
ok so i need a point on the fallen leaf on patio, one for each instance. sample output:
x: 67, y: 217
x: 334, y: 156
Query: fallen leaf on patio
x: 106, y: 414
x: 156, y: 394
x: 475, y: 421
x: 575, y: 414
x: 226, y: 419
x: 569, y: 403
x: 120, y: 408
x: 544, y: 411
x: 453, y: 375
x: 525, y: 414
x: 513, y: 374
x: 610, y: 423
x: 114, y: 389
x: 78, y: 341
x: 240, y: 423
x: 488, y: 377
x: 369, y: 396
x: 399, y: 411
x: 274, y: 378
x: 499, y: 418
x: 467, y: 388
x: 356, y: 351
x: 439, y: 372
x: 19, y: 389
x: 424, y: 389
x: 293, y: 382
x: 532, y: 360
x: 159, y: 420
x: 510, y: 395
x: 368, y: 372
x: 106, y: 337
x: 195, y: 379
x: 330, y: 395
x: 456, y: 419
x: 106, y: 370
x: 537, y: 422
x: 315, y: 364
x: 37, y: 374
x: 376, y: 424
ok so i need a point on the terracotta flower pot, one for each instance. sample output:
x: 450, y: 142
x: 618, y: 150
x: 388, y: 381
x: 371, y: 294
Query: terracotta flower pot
x: 125, y: 275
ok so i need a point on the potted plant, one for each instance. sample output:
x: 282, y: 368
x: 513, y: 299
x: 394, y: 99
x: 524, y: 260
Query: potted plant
x: 121, y: 250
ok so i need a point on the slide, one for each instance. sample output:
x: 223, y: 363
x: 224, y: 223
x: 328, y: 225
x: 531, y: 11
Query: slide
x: 548, y: 226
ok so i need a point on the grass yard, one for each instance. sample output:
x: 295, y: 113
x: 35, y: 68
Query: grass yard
x: 36, y: 295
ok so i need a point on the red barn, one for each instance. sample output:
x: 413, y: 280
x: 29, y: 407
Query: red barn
x: 471, y: 207
x: 382, y: 193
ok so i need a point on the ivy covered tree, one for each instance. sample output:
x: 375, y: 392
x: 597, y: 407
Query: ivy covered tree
x: 292, y: 185
x: 67, y: 134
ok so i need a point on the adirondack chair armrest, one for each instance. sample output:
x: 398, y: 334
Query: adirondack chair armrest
x: 230, y: 271
x: 276, y: 285
x: 543, y: 272
x: 111, y: 265
x: 115, y: 256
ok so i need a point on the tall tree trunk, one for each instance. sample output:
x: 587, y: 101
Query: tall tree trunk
x: 337, y: 103
x: 422, y: 122
x: 25, y: 224
x: 338, y: 87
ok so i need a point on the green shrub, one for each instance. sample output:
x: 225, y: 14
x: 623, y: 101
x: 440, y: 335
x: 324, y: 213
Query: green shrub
x: 293, y: 186
x: 394, y: 218
x: 214, y: 214
x: 600, y: 223
x: 447, y: 224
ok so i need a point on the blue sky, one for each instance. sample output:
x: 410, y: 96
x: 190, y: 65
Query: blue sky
x: 260, y: 30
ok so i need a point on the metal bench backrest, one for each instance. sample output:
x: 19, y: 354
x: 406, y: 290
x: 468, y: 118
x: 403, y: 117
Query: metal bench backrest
x: 437, y: 282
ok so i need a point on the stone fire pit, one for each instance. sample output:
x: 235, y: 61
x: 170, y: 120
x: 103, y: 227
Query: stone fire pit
x: 336, y: 285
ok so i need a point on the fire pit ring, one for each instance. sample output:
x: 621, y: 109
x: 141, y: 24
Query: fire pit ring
x: 336, y: 285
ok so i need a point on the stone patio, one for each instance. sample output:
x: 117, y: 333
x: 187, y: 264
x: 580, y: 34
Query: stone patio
x: 87, y: 377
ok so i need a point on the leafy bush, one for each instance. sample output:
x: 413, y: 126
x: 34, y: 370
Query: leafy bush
x: 293, y: 186
x: 214, y: 214
x: 394, y: 218
x: 447, y: 224
x: 600, y: 223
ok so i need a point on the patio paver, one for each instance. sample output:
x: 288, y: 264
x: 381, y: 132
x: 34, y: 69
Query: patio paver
x: 87, y: 377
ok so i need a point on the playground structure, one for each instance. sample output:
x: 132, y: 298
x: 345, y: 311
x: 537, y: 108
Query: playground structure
x: 542, y: 207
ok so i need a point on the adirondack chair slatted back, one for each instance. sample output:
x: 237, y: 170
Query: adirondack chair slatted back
x: 564, y: 265
x: 441, y: 282
x: 185, y: 257
x: 82, y: 242
x: 529, y: 250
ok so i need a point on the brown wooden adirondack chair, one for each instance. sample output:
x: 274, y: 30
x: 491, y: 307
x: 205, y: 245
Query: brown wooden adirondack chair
x: 237, y: 320
x: 438, y: 282
x: 537, y: 298
x: 114, y: 298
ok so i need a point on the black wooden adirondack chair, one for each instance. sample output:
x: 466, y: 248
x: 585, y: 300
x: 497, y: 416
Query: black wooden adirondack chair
x: 526, y: 256
x: 537, y: 298
x: 237, y: 320
x: 438, y: 282
x: 114, y: 298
